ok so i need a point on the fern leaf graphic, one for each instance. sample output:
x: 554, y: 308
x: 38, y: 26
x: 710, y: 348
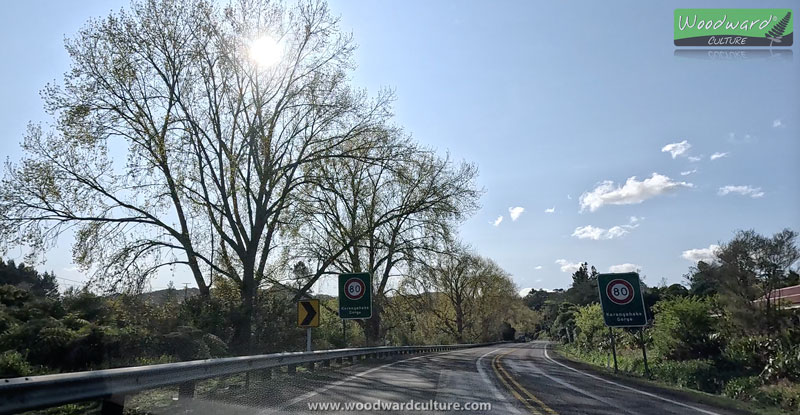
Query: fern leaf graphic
x: 776, y: 33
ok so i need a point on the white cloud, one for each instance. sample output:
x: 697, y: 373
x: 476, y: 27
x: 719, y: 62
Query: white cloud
x: 688, y: 172
x: 514, y: 212
x: 569, y: 197
x: 740, y: 139
x: 632, y: 192
x: 550, y: 210
x: 537, y: 267
x: 694, y: 159
x: 754, y: 192
x: 523, y: 292
x: 777, y: 123
x: 626, y: 267
x: 497, y: 221
x: 595, y: 233
x: 676, y: 149
x: 567, y: 266
x: 718, y: 156
x: 634, y: 219
x: 701, y: 254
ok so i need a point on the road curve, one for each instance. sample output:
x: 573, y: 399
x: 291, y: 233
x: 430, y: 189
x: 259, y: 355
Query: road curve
x: 519, y: 378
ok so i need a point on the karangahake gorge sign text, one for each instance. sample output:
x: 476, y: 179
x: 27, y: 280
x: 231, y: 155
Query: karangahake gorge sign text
x: 734, y: 27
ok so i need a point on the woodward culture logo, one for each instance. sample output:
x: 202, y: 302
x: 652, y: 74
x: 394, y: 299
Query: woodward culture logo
x: 734, y: 27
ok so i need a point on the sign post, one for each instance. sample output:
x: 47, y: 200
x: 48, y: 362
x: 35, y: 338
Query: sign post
x: 308, y: 317
x: 355, y: 296
x: 613, y: 347
x: 623, y: 306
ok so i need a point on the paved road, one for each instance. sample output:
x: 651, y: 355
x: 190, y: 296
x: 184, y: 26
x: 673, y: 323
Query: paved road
x: 512, y: 378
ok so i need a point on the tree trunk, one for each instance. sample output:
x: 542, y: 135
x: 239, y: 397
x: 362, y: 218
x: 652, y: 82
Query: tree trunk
x: 372, y: 326
x: 459, y: 323
x: 244, y: 320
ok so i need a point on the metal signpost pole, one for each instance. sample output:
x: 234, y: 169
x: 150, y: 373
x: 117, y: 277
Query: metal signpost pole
x: 344, y: 332
x: 644, y: 352
x: 308, y: 317
x: 613, y: 347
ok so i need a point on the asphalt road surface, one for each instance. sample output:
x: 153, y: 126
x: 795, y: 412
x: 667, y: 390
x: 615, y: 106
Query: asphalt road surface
x: 518, y: 378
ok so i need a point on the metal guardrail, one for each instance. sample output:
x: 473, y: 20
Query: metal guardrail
x: 112, y: 385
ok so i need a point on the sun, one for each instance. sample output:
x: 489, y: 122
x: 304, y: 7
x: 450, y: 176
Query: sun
x: 265, y: 51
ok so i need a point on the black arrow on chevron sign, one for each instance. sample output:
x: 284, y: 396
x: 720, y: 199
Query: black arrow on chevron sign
x: 310, y: 313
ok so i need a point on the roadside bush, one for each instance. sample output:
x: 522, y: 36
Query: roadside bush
x: 685, y: 329
x: 13, y: 364
x: 697, y: 374
x: 784, y: 395
x: 592, y: 332
x: 743, y: 389
x: 785, y: 364
x: 750, y: 354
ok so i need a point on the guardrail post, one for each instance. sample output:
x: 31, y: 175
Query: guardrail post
x: 326, y: 363
x: 186, y: 390
x: 291, y: 369
x: 113, y: 405
x: 339, y: 360
x: 310, y: 366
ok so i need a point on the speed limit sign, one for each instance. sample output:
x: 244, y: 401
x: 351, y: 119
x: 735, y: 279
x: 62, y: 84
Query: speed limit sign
x: 354, y: 288
x: 619, y: 292
x: 622, y: 300
x: 355, y: 296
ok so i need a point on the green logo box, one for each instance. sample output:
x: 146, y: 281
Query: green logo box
x: 621, y: 299
x: 355, y: 296
x: 739, y: 28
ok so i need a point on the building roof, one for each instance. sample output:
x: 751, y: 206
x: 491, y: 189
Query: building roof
x: 786, y: 295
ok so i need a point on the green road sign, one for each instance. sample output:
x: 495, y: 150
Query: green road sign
x: 355, y: 296
x: 622, y: 300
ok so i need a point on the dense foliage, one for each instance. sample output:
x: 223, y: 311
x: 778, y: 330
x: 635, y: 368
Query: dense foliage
x: 725, y: 333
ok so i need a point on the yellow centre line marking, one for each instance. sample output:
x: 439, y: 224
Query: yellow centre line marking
x: 513, y: 391
x: 500, y: 371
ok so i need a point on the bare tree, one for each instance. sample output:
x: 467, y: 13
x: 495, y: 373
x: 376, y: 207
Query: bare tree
x: 171, y: 147
x: 377, y: 216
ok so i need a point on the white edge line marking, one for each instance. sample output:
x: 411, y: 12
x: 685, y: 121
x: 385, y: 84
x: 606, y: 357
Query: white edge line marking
x: 499, y: 396
x: 547, y: 356
x: 313, y: 393
x: 574, y: 388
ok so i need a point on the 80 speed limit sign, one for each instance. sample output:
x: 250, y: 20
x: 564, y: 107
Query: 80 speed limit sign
x: 619, y: 292
x: 622, y: 300
x: 355, y: 296
x: 354, y: 288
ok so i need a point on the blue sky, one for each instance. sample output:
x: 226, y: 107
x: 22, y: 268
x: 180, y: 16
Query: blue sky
x: 553, y: 102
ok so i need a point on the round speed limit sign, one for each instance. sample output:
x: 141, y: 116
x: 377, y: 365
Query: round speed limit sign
x: 619, y: 292
x: 354, y: 288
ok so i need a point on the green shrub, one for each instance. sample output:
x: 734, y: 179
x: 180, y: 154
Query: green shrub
x: 592, y: 332
x: 785, y: 364
x: 784, y: 395
x: 697, y: 374
x: 743, y: 389
x: 13, y: 364
x: 685, y: 329
x: 750, y: 354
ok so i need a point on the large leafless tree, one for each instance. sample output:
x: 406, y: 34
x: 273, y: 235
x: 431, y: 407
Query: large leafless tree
x: 171, y: 147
